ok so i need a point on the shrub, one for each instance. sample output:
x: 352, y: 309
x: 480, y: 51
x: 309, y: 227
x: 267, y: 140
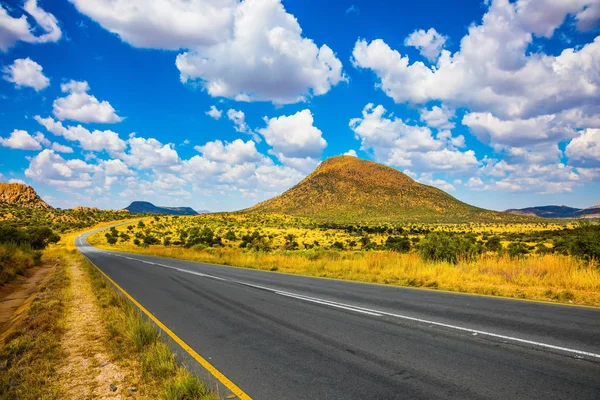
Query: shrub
x: 400, y: 244
x: 443, y: 246
x: 517, y: 250
x: 494, y: 244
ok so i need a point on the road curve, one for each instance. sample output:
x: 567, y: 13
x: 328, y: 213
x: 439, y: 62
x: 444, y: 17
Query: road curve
x: 280, y: 336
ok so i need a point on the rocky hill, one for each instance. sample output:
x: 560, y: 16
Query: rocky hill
x: 18, y: 194
x: 351, y: 190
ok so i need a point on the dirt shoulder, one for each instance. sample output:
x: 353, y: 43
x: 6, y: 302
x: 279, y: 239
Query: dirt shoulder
x: 89, y: 371
x: 15, y: 297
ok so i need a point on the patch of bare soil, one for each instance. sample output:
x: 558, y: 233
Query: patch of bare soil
x: 88, y: 372
x: 16, y: 296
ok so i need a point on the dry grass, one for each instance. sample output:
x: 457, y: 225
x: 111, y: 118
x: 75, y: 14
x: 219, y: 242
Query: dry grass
x: 540, y: 277
x: 135, y: 343
x: 31, y: 352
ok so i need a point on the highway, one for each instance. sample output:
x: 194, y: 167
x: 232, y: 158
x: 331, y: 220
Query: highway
x: 280, y: 336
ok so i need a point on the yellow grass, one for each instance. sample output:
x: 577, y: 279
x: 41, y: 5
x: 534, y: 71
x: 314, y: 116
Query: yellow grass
x: 540, y: 277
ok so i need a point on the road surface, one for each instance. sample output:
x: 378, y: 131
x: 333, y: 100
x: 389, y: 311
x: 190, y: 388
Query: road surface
x: 280, y: 336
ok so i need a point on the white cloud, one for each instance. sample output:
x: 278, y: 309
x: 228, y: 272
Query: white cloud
x: 494, y: 71
x: 150, y: 153
x: 60, y: 148
x: 437, y: 117
x: 429, y: 43
x: 92, y: 141
x: 163, y: 24
x: 214, y: 112
x: 351, y: 152
x: 25, y: 72
x: 265, y: 59
x: 294, y: 136
x: 22, y: 140
x: 80, y: 106
x: 518, y: 132
x: 22, y: 182
x: 236, y: 152
x: 584, y: 150
x: 50, y: 168
x: 13, y: 29
x: 393, y: 142
x: 239, y: 120
x: 427, y: 179
x: 250, y: 50
x: 475, y: 183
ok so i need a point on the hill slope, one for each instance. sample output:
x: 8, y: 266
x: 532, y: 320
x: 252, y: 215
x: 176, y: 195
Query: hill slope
x: 590, y: 212
x: 348, y: 189
x: 21, y: 195
x: 147, y: 207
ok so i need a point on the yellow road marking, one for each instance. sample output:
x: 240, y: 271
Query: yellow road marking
x: 201, y: 360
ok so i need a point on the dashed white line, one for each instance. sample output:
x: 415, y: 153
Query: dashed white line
x: 379, y: 313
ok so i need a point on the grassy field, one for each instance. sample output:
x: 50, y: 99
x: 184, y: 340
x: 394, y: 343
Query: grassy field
x: 32, y: 355
x: 530, y: 261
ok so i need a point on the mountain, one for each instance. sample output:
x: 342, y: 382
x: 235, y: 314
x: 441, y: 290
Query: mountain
x: 21, y: 195
x: 546, y: 211
x: 146, y: 207
x: 590, y: 212
x: 558, y: 212
x: 348, y: 189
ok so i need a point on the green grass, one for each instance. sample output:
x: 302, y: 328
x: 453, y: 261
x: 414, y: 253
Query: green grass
x: 134, y: 341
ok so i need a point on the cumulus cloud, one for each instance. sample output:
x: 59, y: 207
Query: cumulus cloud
x: 265, y: 59
x: 239, y: 120
x: 394, y: 142
x: 22, y: 140
x: 50, y: 168
x: 150, y: 153
x: 428, y: 179
x: 294, y: 136
x: 25, y: 72
x: 163, y: 24
x: 429, y: 43
x: 14, y: 29
x: 437, y: 117
x: 61, y: 148
x: 91, y: 141
x: 351, y: 152
x: 584, y: 150
x: 494, y: 71
x: 250, y: 50
x: 518, y: 132
x: 236, y: 152
x: 214, y: 112
x: 80, y: 106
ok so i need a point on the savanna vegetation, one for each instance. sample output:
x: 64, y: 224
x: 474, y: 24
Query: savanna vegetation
x: 556, y: 261
x: 33, y: 356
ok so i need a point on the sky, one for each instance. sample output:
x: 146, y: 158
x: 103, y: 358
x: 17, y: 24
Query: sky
x: 220, y: 104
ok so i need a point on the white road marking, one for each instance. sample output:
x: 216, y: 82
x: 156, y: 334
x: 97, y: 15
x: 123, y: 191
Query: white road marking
x: 379, y: 313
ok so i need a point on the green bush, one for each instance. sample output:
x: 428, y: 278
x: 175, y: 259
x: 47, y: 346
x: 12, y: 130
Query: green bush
x: 494, y: 244
x: 400, y: 244
x: 517, y: 250
x: 449, y: 247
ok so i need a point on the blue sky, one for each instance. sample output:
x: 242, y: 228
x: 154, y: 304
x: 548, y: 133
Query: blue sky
x: 103, y: 103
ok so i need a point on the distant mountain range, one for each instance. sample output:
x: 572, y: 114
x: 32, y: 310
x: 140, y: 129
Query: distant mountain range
x: 558, y: 212
x: 346, y: 189
x: 142, y: 207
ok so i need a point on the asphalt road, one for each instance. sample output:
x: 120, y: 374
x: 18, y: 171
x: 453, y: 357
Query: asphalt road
x: 281, y: 336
